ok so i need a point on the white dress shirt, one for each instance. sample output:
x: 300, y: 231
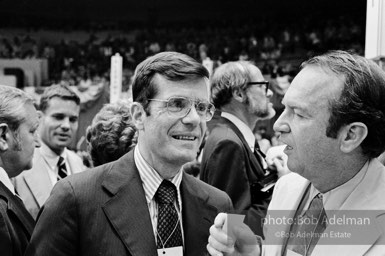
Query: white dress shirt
x: 335, y: 198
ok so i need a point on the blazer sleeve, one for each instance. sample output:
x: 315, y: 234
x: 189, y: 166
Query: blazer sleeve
x: 56, y: 228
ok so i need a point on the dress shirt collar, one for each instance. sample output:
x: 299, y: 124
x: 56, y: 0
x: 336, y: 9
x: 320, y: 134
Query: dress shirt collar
x: 4, y: 178
x: 51, y: 157
x: 245, y: 130
x: 151, y: 179
x: 335, y: 198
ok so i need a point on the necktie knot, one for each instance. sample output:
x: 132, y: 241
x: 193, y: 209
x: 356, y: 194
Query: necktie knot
x: 62, y: 169
x: 60, y: 163
x: 316, y: 206
x: 166, y: 193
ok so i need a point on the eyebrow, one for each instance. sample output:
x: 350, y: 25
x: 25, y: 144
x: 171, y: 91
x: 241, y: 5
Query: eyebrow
x: 297, y: 107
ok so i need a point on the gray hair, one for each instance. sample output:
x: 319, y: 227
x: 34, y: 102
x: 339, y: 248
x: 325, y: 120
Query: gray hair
x: 227, y: 78
x: 12, y: 102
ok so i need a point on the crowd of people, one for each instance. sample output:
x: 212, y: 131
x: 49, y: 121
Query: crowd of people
x: 137, y: 196
x: 193, y: 141
x: 264, y: 41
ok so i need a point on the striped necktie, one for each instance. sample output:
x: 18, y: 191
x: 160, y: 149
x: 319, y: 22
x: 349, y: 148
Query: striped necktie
x: 62, y: 169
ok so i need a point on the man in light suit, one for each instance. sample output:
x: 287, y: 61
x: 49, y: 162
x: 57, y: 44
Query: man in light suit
x: 59, y: 113
x: 230, y: 160
x: 115, y: 209
x: 18, y: 139
x: 333, y: 126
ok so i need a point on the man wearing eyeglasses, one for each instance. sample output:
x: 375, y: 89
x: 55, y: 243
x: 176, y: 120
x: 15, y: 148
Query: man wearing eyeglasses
x: 143, y: 203
x: 231, y: 159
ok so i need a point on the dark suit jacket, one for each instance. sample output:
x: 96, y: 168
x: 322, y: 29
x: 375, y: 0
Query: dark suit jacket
x: 16, y: 224
x: 230, y: 165
x: 103, y: 211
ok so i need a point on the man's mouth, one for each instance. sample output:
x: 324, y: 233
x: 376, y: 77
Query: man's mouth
x: 64, y: 135
x: 183, y: 137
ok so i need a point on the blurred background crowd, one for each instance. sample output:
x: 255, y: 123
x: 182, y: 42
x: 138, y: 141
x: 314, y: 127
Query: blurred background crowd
x: 78, y: 39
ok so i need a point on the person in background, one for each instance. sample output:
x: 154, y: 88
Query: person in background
x: 111, y: 134
x: 333, y: 125
x: 231, y: 158
x: 142, y: 203
x: 18, y: 138
x: 53, y: 161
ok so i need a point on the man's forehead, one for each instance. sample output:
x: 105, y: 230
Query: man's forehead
x: 312, y: 85
x: 187, y: 85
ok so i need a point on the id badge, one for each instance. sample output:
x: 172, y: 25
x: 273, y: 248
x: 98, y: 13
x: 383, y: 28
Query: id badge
x: 292, y: 253
x: 172, y: 251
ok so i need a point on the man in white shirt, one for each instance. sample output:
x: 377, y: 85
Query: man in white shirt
x: 59, y: 112
x: 230, y: 160
x: 18, y: 139
x: 333, y: 125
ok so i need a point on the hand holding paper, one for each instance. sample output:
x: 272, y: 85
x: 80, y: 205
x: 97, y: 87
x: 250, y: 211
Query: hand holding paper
x: 230, y: 236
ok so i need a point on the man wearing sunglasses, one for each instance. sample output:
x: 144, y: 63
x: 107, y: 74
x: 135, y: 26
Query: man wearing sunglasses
x: 143, y: 203
x: 231, y: 159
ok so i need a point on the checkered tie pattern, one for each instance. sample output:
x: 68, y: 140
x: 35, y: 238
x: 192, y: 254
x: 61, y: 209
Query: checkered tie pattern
x: 305, y: 244
x: 168, y: 228
x: 62, y: 169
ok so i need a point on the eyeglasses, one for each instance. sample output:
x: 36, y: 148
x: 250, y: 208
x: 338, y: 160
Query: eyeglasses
x: 180, y: 107
x: 262, y: 84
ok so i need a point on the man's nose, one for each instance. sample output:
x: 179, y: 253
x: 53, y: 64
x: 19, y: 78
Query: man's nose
x: 65, y: 124
x: 192, y: 116
x: 281, y: 124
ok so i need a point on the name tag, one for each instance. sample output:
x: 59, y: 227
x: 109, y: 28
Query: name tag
x: 172, y: 251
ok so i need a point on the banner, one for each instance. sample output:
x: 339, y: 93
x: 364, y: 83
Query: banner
x: 116, y: 78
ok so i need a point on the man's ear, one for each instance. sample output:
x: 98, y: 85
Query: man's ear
x: 239, y: 95
x: 138, y: 115
x: 351, y: 136
x: 4, y: 137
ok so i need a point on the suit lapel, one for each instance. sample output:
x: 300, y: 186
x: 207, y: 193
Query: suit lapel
x: 127, y: 209
x: 197, y: 216
x: 288, y: 196
x: 16, y: 207
x: 255, y: 165
x: 75, y: 165
x: 38, y: 180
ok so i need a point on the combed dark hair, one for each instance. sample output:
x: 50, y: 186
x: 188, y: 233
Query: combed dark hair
x: 111, y: 134
x: 12, y: 103
x: 60, y: 91
x: 362, y: 98
x: 173, y: 66
x: 227, y: 78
